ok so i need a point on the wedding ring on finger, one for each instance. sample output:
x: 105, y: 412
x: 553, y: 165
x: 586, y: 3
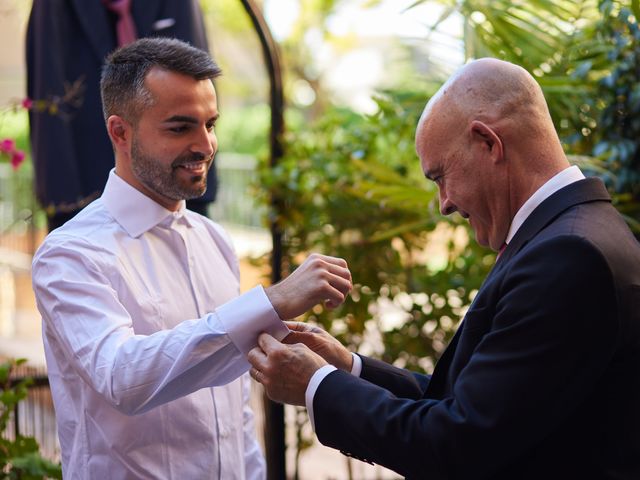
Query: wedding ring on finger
x: 255, y: 374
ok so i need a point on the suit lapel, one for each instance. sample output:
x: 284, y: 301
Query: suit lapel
x: 95, y: 24
x: 587, y: 190
x: 583, y: 191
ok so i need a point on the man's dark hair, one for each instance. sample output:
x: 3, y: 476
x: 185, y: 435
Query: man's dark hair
x: 123, y: 74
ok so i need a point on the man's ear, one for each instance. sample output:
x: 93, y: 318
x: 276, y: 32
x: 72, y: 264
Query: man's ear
x: 119, y: 131
x: 488, y: 139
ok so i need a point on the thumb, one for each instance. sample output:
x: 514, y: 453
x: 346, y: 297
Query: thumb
x: 295, y: 337
x: 308, y: 338
x: 267, y: 343
x: 297, y: 326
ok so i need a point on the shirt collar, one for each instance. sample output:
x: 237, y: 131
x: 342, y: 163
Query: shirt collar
x: 555, y: 183
x: 133, y: 210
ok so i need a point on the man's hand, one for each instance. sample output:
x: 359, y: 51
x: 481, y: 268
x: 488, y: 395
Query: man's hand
x: 319, y: 279
x: 283, y: 370
x: 321, y: 343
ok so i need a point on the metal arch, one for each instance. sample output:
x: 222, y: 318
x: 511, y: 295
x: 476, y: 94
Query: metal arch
x: 274, y: 434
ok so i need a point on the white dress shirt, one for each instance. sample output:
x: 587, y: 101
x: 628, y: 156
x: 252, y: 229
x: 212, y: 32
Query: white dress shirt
x: 560, y: 180
x: 145, y: 338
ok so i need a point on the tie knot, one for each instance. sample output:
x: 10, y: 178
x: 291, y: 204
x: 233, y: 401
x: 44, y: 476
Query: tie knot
x: 121, y: 7
x: 504, y: 245
x: 125, y: 28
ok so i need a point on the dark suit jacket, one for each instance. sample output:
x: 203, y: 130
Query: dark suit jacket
x: 542, y: 379
x: 67, y: 40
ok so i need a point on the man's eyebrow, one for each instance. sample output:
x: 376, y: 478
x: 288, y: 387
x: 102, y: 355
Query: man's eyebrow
x: 188, y: 119
x: 181, y: 118
x: 431, y: 175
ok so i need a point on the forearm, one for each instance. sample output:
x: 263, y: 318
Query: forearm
x: 137, y: 372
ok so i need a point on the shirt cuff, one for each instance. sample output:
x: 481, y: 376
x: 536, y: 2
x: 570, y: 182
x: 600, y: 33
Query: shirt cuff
x: 245, y: 317
x: 356, y: 368
x: 314, y: 383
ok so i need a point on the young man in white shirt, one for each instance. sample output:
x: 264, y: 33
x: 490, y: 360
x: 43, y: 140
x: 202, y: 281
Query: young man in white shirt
x: 144, y: 329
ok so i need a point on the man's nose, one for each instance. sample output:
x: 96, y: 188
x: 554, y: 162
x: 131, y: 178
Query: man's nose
x: 447, y: 207
x: 206, y: 143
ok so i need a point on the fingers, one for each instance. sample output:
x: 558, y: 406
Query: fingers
x: 292, y: 338
x: 340, y: 271
x: 337, y: 287
x: 268, y: 344
x: 336, y: 294
x: 257, y: 358
x: 340, y: 262
x: 320, y: 279
x: 303, y: 327
x: 255, y: 374
x: 298, y: 326
x: 302, y: 333
x: 298, y: 337
x: 340, y: 281
x: 334, y: 265
x: 343, y: 285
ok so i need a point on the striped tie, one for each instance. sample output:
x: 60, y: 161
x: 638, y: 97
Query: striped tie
x: 125, y: 28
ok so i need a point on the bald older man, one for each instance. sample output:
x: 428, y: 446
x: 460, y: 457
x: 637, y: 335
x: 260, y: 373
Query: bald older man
x: 542, y: 379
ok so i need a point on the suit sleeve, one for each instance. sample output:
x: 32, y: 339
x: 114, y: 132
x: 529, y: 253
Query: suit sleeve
x: 553, y: 330
x: 398, y: 381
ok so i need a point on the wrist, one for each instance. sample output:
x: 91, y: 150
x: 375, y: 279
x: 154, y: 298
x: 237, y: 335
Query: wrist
x: 347, y: 361
x: 275, y: 299
x: 356, y: 368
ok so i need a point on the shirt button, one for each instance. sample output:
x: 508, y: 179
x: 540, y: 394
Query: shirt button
x: 224, y: 433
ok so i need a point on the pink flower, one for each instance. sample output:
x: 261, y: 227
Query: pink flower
x: 17, y: 157
x: 7, y: 145
x: 27, y: 103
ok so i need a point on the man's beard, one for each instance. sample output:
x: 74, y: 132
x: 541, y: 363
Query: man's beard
x: 164, y: 180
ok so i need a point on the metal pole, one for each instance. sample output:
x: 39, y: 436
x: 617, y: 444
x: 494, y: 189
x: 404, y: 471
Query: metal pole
x: 274, y: 430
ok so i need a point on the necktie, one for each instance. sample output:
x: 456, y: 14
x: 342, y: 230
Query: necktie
x: 504, y: 245
x: 125, y: 28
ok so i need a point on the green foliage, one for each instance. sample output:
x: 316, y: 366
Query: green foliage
x: 244, y: 130
x: 601, y: 119
x: 552, y: 39
x: 584, y: 54
x: 19, y: 458
x: 618, y: 96
x: 351, y: 186
x: 18, y: 192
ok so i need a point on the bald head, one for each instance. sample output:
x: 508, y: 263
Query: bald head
x: 492, y: 91
x: 489, y: 83
x: 487, y: 139
x: 505, y: 97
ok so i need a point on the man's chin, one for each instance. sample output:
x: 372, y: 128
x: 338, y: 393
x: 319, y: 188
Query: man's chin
x: 196, y: 192
x: 480, y: 239
x: 194, y: 187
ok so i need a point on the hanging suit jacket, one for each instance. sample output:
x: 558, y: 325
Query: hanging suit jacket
x: 541, y: 380
x: 67, y: 41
